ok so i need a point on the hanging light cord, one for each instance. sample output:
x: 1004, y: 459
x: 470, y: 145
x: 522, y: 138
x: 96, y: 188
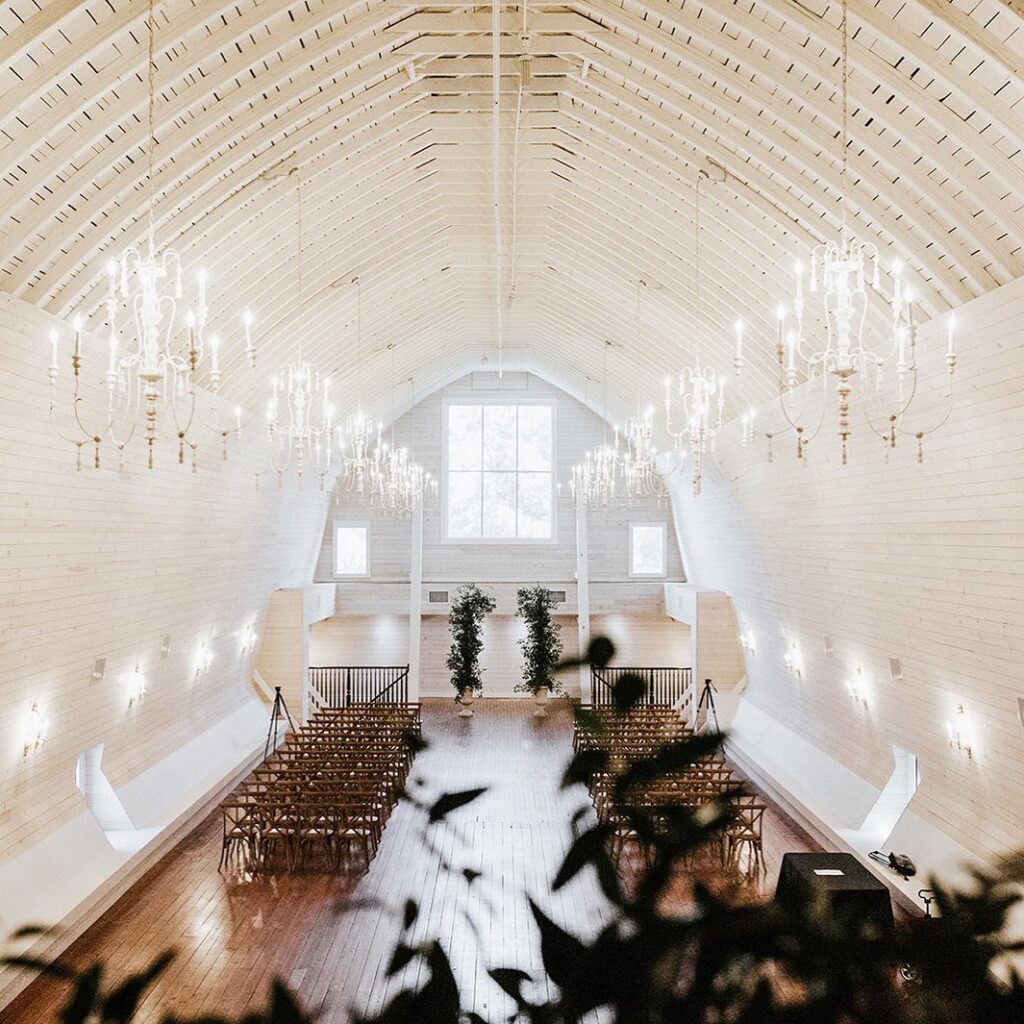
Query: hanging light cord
x: 392, y: 347
x: 151, y: 144
x: 701, y: 175
x: 359, y: 341
x: 844, y: 79
x: 298, y: 247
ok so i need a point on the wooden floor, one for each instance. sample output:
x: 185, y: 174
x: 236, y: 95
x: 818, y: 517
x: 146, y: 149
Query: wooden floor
x: 234, y: 935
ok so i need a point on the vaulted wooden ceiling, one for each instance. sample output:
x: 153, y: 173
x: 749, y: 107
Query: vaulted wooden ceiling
x: 384, y: 111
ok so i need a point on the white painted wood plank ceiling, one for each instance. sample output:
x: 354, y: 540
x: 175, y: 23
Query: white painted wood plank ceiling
x: 383, y: 109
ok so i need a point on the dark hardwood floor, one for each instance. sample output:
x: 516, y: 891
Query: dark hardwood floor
x: 331, y: 942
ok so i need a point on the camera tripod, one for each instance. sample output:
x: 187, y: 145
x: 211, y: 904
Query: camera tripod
x: 278, y: 713
x: 707, y: 700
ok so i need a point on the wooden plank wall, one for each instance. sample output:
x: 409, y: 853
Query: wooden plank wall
x: 892, y: 559
x: 641, y: 639
x: 421, y: 430
x: 104, y: 564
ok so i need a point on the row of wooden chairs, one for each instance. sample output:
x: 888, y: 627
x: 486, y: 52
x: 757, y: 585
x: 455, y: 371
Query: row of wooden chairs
x: 636, y: 735
x: 325, y: 796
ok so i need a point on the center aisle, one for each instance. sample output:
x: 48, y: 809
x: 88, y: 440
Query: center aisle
x: 515, y: 836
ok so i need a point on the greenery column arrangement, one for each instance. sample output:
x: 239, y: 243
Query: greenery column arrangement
x: 470, y: 607
x: 542, y: 645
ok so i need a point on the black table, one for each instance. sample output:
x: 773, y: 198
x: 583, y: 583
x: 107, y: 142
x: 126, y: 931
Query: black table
x: 852, y: 889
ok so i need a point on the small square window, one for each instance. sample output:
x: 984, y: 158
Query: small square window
x: 648, y: 553
x: 351, y: 550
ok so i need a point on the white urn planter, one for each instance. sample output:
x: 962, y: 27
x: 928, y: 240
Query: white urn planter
x: 540, y: 700
x: 466, y: 698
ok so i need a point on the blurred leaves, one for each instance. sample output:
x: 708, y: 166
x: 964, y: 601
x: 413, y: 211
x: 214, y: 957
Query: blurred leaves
x: 705, y: 958
x: 448, y: 802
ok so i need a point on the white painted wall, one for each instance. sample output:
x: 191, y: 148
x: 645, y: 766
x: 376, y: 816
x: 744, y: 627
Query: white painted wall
x: 105, y: 563
x: 889, y: 558
x: 577, y: 429
x: 641, y: 639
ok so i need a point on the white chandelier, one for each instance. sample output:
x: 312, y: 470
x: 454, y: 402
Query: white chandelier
x: 397, y: 482
x: 841, y: 273
x: 300, y: 417
x: 147, y: 282
x: 300, y: 421
x: 359, y: 436
x: 695, y: 414
x: 639, y: 471
x: 641, y: 478
x: 595, y: 481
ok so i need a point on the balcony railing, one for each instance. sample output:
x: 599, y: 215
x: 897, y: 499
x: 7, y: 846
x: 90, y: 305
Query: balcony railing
x: 664, y: 686
x: 341, y: 686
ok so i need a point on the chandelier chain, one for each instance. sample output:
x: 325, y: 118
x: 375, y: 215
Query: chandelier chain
x: 359, y: 339
x: 844, y: 79
x: 298, y: 249
x: 696, y: 266
x: 151, y: 123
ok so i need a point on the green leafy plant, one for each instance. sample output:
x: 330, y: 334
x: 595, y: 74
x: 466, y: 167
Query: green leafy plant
x: 470, y: 607
x: 542, y: 645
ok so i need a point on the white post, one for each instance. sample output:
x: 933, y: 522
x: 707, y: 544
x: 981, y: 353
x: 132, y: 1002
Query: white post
x: 698, y: 717
x: 583, y: 599
x: 415, y: 599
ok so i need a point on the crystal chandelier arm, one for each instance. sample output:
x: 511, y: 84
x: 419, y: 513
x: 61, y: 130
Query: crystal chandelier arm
x: 182, y: 429
x: 172, y: 265
x: 800, y: 431
x: 279, y: 451
x: 896, y: 418
x: 108, y: 431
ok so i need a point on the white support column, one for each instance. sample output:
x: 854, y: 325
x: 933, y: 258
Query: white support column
x: 583, y: 598
x: 415, y: 599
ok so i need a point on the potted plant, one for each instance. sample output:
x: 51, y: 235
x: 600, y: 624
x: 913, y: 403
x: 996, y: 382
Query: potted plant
x: 541, y: 647
x: 465, y: 620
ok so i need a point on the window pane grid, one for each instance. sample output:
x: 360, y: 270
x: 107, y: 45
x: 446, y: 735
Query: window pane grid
x: 499, y: 472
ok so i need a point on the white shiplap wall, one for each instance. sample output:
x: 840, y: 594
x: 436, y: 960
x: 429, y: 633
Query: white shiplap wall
x: 924, y: 563
x: 421, y: 430
x: 105, y: 563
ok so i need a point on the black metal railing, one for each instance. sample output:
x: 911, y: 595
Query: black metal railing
x: 664, y: 686
x: 341, y: 686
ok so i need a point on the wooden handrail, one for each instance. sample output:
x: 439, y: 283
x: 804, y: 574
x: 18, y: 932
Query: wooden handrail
x: 341, y: 686
x: 665, y: 685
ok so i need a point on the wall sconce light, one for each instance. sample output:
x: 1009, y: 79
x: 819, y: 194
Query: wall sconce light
x: 35, y: 730
x: 855, y: 688
x: 99, y: 670
x: 165, y: 646
x: 136, y: 687
x: 249, y: 638
x: 958, y: 733
x: 794, y: 665
x: 204, y: 659
x: 747, y: 642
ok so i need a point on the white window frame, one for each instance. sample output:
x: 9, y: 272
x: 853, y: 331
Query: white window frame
x: 501, y: 398
x: 348, y: 524
x: 663, y: 526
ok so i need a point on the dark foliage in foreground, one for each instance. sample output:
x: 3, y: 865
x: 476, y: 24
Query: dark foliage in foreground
x: 719, y: 961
